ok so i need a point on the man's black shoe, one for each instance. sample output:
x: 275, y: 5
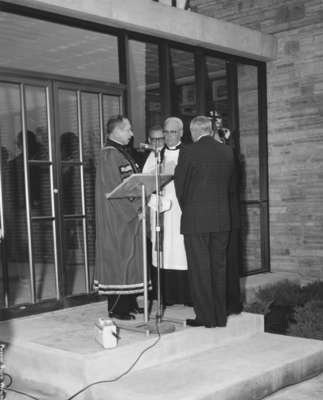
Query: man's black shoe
x: 194, y: 322
x: 137, y: 310
x: 123, y: 316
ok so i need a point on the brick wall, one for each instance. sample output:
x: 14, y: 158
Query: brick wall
x: 295, y: 124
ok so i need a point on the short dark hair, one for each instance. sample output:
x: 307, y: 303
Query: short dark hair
x: 155, y: 128
x: 113, y: 122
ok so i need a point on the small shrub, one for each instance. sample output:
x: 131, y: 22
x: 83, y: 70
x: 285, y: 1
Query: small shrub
x: 309, y: 321
x: 282, y: 293
x: 291, y: 309
x: 312, y: 291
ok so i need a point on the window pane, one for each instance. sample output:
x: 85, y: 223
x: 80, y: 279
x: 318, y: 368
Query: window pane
x: 15, y: 243
x: 217, y: 87
x: 144, y: 89
x: 249, y: 130
x: 91, y: 148
x: 74, y: 257
x: 68, y: 125
x: 43, y: 258
x: 36, y: 120
x: 42, y: 46
x: 40, y: 190
x: 183, y: 87
x: 71, y: 189
x: 250, y: 236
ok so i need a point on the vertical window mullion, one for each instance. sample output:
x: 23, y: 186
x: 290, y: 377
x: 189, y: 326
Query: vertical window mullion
x: 27, y: 189
x: 80, y: 129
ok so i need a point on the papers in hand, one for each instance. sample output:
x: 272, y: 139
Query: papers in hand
x: 164, y: 203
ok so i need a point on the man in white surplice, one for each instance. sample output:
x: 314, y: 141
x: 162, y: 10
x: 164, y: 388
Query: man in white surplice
x: 174, y: 280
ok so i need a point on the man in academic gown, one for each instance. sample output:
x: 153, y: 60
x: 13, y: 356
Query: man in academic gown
x: 118, y: 269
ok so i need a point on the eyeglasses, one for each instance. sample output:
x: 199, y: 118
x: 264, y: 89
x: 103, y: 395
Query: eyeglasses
x: 169, y: 132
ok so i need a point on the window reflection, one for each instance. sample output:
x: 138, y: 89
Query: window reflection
x: 145, y: 88
x: 183, y: 87
x: 249, y: 129
x: 217, y: 95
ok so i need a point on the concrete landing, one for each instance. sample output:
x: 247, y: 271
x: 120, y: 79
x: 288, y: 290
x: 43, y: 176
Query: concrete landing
x: 249, y: 369
x: 53, y: 355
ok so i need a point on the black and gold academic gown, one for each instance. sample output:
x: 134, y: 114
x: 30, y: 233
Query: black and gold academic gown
x: 118, y: 268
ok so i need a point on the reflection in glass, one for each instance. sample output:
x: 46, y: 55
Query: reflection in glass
x: 74, y: 257
x: 40, y: 190
x: 217, y: 87
x: 68, y: 125
x: 69, y: 146
x: 250, y: 234
x: 43, y: 258
x: 91, y: 147
x: 183, y: 87
x: 145, y: 88
x: 15, y: 242
x: 71, y: 189
x: 249, y: 130
x: 36, y: 121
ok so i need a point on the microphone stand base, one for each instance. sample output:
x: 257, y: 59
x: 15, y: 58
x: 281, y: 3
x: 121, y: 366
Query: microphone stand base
x: 150, y: 327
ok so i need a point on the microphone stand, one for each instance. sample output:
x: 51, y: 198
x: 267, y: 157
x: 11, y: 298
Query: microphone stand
x: 161, y: 326
x: 2, y: 375
x: 158, y: 231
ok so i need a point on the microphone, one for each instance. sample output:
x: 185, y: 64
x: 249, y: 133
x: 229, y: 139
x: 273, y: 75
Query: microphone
x: 147, y: 146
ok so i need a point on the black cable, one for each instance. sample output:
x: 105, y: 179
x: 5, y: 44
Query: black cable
x: 125, y: 372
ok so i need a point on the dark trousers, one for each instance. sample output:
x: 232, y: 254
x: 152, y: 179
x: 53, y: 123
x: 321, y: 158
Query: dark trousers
x: 122, y: 304
x: 206, y: 257
x: 233, y: 272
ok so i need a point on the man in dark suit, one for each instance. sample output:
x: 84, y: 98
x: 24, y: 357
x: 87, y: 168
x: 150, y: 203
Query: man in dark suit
x: 202, y: 180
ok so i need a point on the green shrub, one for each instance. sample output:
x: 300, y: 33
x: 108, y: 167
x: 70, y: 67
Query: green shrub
x: 282, y: 293
x: 309, y: 321
x: 307, y: 302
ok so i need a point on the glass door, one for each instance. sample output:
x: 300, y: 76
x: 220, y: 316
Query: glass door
x: 81, y: 117
x: 29, y: 270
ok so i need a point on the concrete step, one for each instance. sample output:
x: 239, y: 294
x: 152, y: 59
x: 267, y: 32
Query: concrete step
x: 59, y: 348
x: 247, y: 369
x: 53, y: 355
